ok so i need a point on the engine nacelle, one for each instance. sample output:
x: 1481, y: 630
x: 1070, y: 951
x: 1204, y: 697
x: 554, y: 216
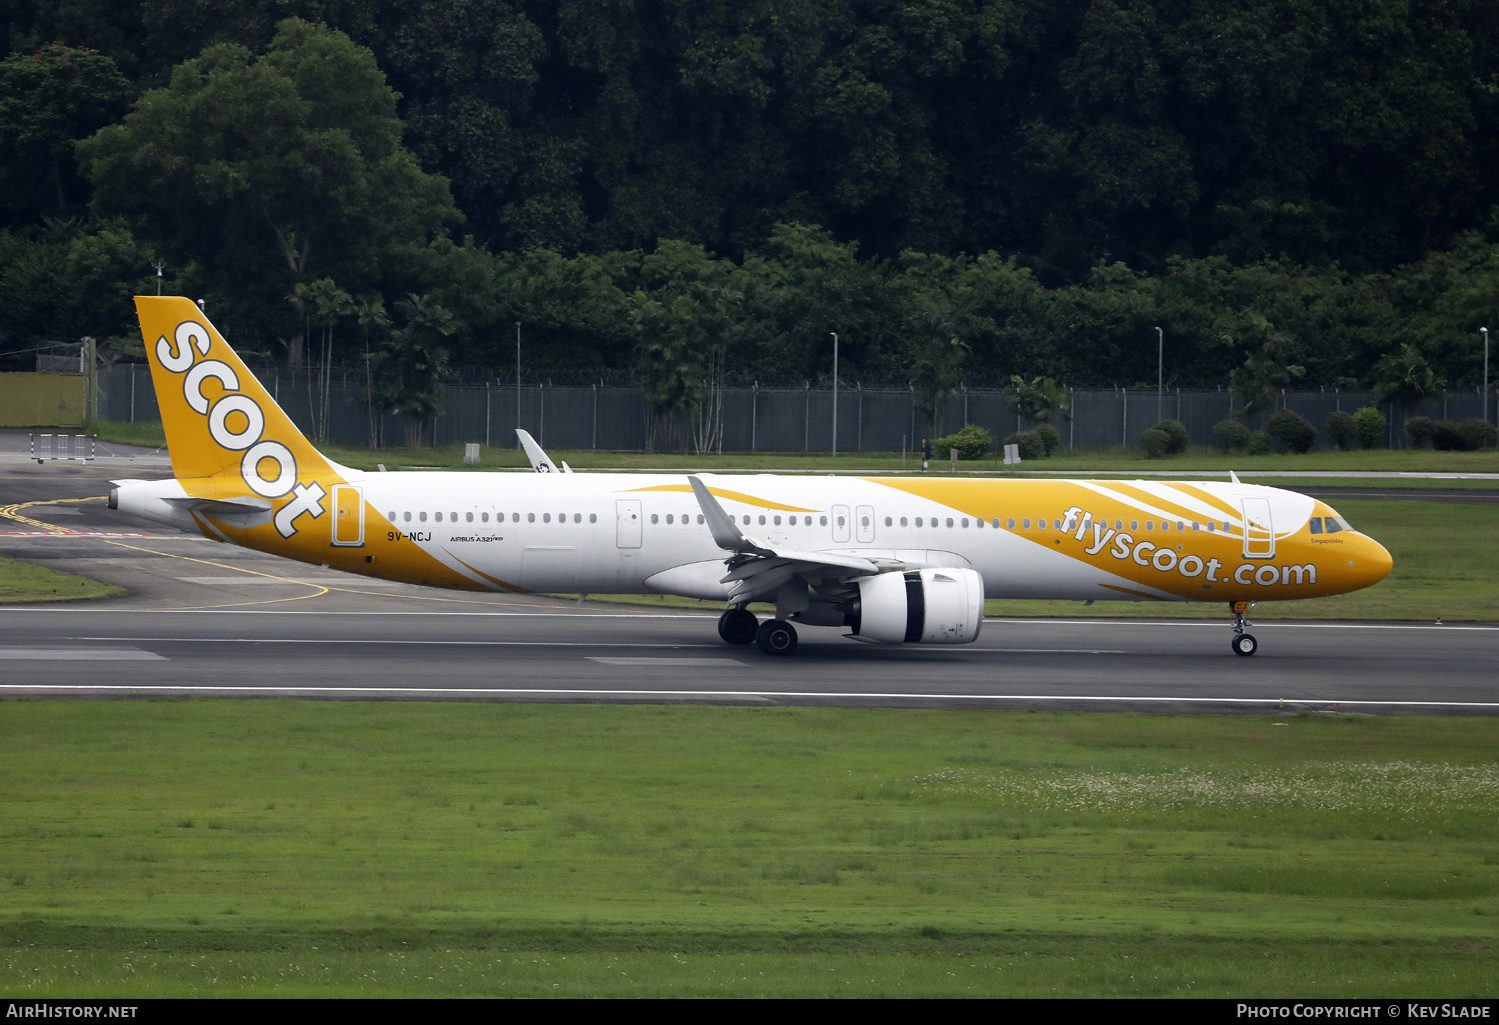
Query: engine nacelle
x: 928, y: 606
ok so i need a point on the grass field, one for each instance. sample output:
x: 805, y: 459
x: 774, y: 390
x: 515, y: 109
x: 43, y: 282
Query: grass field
x: 23, y: 582
x: 196, y: 848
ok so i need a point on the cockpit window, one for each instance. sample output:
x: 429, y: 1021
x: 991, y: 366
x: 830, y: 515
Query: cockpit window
x: 1333, y: 526
x: 1316, y: 524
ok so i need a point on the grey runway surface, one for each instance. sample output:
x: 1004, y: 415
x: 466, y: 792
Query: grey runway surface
x: 204, y: 619
x: 569, y: 654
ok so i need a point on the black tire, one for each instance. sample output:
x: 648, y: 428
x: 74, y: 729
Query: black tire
x: 776, y: 637
x: 1245, y: 644
x: 738, y: 626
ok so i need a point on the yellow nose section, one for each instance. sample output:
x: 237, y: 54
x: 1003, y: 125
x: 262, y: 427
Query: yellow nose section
x: 1371, y: 561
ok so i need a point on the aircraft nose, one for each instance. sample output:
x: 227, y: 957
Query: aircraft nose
x: 1372, y: 560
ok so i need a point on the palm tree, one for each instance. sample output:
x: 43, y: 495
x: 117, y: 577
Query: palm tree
x: 370, y: 309
x: 1265, y: 370
x: 326, y: 301
x: 1037, y: 399
x: 1405, y: 379
x: 412, y: 364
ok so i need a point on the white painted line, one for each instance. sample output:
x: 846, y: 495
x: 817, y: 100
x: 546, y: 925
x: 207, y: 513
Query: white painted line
x: 575, y: 611
x: 215, y: 580
x: 1264, y: 624
x: 758, y: 695
x: 78, y: 655
x: 654, y: 661
x: 403, y: 642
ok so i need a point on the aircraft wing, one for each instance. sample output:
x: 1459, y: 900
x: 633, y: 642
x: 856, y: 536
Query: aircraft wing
x: 758, y: 568
x: 540, y: 461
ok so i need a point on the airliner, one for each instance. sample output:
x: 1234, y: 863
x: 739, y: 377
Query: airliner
x: 893, y: 560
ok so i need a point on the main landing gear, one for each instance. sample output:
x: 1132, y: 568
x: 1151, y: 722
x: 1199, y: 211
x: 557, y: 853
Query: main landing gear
x: 738, y: 626
x: 1243, y: 643
x: 774, y: 637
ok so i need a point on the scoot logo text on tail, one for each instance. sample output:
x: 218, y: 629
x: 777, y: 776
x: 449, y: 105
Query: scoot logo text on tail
x: 242, y: 434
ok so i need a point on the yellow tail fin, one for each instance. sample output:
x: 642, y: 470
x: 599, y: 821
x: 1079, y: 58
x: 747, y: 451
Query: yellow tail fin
x: 219, y: 421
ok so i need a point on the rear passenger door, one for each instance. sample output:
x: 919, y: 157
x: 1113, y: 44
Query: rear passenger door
x: 840, y: 523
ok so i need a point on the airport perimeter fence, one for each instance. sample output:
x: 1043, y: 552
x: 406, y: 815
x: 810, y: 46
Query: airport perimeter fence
x: 756, y: 419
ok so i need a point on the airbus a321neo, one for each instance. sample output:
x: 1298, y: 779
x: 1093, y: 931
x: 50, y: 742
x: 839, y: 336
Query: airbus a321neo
x: 885, y: 559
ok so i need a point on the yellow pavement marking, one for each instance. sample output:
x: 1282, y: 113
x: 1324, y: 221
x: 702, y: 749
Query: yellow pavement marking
x: 12, y: 512
x: 321, y: 590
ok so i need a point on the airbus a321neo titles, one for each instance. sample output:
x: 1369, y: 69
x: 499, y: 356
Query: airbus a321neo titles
x: 895, y: 560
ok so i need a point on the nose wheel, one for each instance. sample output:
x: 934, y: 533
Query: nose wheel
x: 1243, y: 643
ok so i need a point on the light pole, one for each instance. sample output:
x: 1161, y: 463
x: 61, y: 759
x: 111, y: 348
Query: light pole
x: 835, y: 391
x: 1485, y: 372
x: 1160, y: 363
x: 517, y: 380
x: 158, y: 265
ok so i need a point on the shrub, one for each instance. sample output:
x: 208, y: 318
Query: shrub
x: 1371, y: 426
x: 1421, y: 430
x: 1155, y: 442
x: 1031, y: 445
x: 1293, y: 431
x: 1462, y: 436
x: 1176, y: 435
x: 1259, y: 444
x: 1478, y: 434
x: 1050, y: 437
x: 1231, y: 435
x: 1343, y: 429
x: 971, y: 442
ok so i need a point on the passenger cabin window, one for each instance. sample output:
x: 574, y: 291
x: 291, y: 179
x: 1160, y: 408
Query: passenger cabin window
x: 890, y: 522
x: 515, y: 517
x: 762, y: 520
x: 1010, y: 524
x: 1025, y: 524
x: 546, y: 517
x: 654, y: 518
x: 1134, y: 524
x: 777, y: 520
x: 822, y: 521
x: 593, y: 517
x: 531, y: 518
x: 918, y: 521
x: 902, y: 521
x: 468, y: 517
x: 422, y: 517
x: 438, y: 517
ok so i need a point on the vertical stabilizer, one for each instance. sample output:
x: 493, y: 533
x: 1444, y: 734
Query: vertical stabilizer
x: 219, y: 420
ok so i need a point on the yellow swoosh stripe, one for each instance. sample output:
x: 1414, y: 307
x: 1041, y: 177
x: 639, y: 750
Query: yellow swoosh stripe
x: 733, y: 496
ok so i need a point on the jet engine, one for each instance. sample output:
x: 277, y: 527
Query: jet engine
x: 928, y: 606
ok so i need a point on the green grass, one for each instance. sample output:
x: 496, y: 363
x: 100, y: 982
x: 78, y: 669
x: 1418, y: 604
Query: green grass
x: 340, y: 848
x: 23, y: 582
x: 146, y: 434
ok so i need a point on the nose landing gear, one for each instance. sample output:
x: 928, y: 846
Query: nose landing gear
x: 1243, y: 643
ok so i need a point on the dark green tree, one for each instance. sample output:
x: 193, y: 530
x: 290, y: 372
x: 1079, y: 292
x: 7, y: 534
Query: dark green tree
x: 49, y: 100
x: 269, y: 171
